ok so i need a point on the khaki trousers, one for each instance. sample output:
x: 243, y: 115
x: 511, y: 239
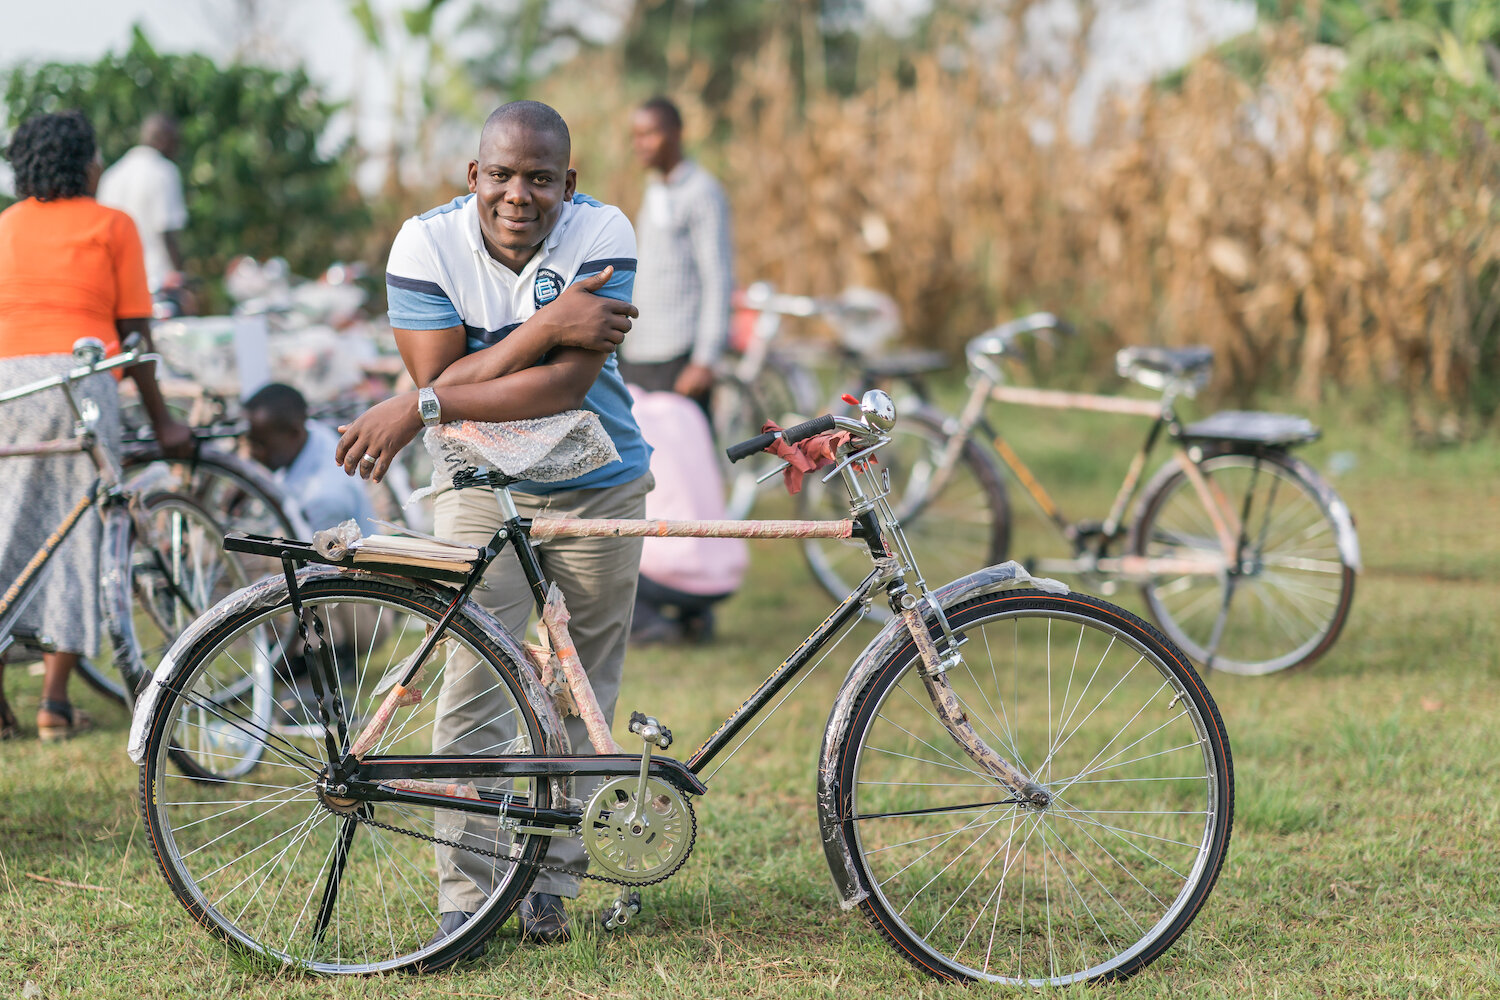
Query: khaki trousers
x: 598, y: 579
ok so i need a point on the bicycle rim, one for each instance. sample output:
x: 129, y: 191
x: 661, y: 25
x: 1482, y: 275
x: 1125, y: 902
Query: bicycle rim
x: 266, y: 863
x: 1114, y: 724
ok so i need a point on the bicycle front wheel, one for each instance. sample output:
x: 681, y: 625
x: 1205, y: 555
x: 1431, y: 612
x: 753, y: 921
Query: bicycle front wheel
x: 956, y: 518
x: 1110, y: 719
x: 279, y: 868
x: 157, y: 582
x: 242, y: 494
x: 1282, y: 601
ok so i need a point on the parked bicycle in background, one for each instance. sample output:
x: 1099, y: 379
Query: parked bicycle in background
x: 1245, y: 556
x: 770, y: 377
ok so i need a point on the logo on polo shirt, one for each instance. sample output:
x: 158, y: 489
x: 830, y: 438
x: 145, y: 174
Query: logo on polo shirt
x: 549, y: 285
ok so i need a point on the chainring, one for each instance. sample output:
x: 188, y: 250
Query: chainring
x: 638, y: 846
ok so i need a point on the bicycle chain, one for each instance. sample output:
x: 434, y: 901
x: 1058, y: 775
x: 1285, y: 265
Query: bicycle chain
x: 541, y: 865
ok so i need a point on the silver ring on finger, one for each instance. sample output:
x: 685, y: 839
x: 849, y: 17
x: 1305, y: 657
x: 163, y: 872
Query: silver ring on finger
x: 368, y: 459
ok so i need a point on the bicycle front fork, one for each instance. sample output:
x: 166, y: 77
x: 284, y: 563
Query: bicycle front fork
x: 938, y: 657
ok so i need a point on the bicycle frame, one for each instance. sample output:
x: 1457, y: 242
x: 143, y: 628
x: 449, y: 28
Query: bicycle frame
x: 373, y: 777
x: 987, y: 386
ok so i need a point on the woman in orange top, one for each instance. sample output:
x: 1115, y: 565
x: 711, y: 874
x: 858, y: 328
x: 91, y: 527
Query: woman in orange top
x: 69, y: 268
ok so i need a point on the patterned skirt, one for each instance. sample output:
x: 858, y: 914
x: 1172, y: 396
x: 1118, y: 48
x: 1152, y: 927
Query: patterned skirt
x: 37, y: 493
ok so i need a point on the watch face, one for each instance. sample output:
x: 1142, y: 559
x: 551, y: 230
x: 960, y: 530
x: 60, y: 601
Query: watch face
x: 427, y: 407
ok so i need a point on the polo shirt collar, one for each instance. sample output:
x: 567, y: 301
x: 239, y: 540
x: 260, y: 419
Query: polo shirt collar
x: 476, y: 238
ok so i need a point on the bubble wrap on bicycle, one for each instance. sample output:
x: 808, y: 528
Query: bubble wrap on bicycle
x: 545, y: 450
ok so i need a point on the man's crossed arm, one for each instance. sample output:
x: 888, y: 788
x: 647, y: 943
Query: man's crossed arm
x: 544, y: 366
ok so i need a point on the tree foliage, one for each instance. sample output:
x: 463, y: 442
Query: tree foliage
x: 257, y: 175
x: 1421, y: 75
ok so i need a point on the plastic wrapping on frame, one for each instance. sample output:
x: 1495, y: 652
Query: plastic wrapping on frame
x: 555, y: 620
x: 271, y: 591
x: 543, y: 528
x: 116, y: 601
x: 1006, y: 576
x: 546, y: 450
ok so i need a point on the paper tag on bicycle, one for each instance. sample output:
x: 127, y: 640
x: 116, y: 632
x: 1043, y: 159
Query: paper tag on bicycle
x: 545, y: 450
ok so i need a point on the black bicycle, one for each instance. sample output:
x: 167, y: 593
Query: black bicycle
x: 1017, y: 783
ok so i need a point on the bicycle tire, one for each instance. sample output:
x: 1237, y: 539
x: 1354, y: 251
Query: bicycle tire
x: 215, y: 480
x: 1096, y: 884
x: 964, y: 528
x: 221, y: 846
x: 1299, y: 574
x: 244, y: 495
x: 143, y: 613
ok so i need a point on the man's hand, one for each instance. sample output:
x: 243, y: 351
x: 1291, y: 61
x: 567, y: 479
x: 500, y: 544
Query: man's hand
x: 580, y: 317
x: 175, y: 439
x: 694, y: 381
x: 378, y: 434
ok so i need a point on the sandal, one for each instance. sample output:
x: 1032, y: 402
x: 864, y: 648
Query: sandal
x: 78, y: 721
x: 9, y: 727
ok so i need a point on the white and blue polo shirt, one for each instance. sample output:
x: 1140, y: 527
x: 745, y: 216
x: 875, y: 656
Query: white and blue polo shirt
x: 440, y: 275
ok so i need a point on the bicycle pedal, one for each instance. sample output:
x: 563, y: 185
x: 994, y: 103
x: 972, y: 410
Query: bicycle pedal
x: 621, y: 911
x: 650, y: 730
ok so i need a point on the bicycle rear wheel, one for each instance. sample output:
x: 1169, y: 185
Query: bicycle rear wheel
x: 955, y: 527
x: 280, y: 870
x: 1108, y: 717
x: 1284, y: 600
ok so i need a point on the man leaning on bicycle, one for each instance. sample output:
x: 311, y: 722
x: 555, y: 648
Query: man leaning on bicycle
x: 507, y: 304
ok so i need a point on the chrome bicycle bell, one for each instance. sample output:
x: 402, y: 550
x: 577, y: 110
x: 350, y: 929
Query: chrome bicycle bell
x: 88, y: 350
x: 878, y: 410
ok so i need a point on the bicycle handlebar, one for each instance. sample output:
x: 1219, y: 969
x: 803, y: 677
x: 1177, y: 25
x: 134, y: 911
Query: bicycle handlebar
x: 997, y: 342
x: 131, y: 357
x: 791, y: 435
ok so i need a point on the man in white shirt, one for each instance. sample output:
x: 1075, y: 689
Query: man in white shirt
x: 146, y: 185
x: 686, y: 267
x: 507, y: 304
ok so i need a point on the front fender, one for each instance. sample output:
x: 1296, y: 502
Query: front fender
x: 836, y: 847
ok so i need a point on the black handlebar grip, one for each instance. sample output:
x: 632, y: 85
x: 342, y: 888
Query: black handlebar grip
x: 745, y: 449
x: 808, y: 428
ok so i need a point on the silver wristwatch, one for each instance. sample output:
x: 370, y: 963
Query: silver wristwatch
x: 427, y: 407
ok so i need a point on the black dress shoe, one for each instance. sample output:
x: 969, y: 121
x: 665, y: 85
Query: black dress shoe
x: 448, y: 924
x: 543, y: 919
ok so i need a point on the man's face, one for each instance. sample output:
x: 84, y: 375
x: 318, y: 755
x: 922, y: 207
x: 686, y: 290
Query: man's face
x: 656, y: 144
x: 521, y: 180
x: 272, y: 445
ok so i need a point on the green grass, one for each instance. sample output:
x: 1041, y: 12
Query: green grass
x: 1363, y: 861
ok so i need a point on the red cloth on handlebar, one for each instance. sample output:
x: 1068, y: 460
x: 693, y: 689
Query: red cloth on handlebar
x: 806, y: 455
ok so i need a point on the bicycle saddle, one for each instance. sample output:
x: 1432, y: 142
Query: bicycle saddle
x: 903, y: 364
x: 1275, y: 430
x: 1153, y: 367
